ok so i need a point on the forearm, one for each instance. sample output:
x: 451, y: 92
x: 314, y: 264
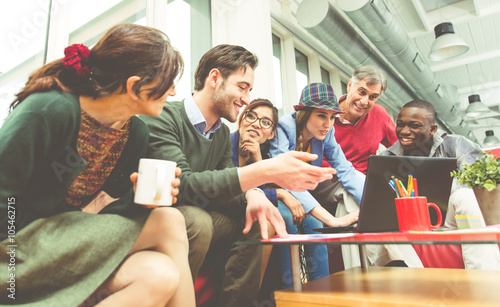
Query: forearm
x: 256, y: 174
x: 287, y: 170
x: 280, y: 194
x: 283, y: 195
x: 323, y: 215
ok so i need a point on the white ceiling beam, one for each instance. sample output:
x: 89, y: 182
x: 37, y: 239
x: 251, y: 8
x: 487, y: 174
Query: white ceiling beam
x: 422, y: 14
x: 486, y: 125
x: 480, y: 87
x: 465, y: 60
x: 477, y: 6
x: 485, y: 7
x: 491, y: 114
x: 457, y: 13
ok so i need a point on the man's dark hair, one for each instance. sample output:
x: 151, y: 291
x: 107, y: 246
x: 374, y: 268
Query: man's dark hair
x: 422, y: 104
x: 227, y: 59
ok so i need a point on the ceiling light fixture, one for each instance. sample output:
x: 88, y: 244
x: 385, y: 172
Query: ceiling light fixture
x: 447, y: 44
x: 491, y: 140
x: 476, y: 107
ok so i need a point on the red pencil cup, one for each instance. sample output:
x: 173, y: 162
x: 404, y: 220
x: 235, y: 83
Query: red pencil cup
x: 413, y: 214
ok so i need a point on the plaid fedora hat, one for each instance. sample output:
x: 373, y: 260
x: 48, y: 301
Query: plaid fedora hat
x: 318, y: 95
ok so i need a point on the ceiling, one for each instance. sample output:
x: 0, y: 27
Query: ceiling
x: 475, y: 72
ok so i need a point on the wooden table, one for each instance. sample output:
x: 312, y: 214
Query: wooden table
x: 390, y: 286
x: 483, y: 235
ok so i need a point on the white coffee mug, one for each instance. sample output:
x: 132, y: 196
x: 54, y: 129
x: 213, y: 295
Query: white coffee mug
x: 154, y: 183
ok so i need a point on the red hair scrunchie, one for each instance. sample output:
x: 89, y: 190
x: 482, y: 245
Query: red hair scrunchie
x: 75, y: 56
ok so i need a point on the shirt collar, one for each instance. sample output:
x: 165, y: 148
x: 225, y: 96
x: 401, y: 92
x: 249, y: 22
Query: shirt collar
x: 437, y: 139
x: 197, y: 119
x: 396, y: 149
x: 345, y: 121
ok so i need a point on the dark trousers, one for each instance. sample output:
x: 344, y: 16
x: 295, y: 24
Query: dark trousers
x: 212, y: 236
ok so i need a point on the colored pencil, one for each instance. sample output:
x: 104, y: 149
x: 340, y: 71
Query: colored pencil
x: 410, y: 184
x: 399, y: 185
x: 405, y: 194
x: 391, y: 183
x: 415, y: 187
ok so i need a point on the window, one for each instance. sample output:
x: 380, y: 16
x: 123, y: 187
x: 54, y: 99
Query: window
x: 344, y: 88
x: 325, y: 76
x: 189, y: 28
x: 25, y: 43
x: 277, y: 74
x: 23, y: 34
x: 88, y: 25
x: 302, y: 71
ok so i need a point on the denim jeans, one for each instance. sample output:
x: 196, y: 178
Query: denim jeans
x: 316, y: 255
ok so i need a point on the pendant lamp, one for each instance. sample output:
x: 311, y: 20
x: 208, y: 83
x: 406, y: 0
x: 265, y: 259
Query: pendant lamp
x: 491, y: 140
x: 447, y: 43
x: 476, y: 107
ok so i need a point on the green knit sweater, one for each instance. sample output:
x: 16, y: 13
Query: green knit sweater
x: 208, y: 178
x: 61, y: 257
x: 40, y: 159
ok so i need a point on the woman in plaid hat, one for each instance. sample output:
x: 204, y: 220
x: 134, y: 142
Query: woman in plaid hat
x: 310, y: 129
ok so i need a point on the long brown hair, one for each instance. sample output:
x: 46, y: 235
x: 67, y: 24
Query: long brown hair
x: 125, y: 50
x: 300, y: 121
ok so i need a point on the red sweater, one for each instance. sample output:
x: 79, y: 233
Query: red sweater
x: 362, y: 140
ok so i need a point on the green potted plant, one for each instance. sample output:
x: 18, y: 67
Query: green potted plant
x: 483, y: 176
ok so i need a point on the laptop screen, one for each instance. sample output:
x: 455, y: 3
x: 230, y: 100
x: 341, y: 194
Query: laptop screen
x: 378, y: 209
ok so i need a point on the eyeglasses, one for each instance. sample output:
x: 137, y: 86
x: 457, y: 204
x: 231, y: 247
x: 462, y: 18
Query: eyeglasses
x: 252, y: 117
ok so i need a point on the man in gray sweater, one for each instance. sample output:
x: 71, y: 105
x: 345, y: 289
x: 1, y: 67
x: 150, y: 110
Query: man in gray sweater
x: 221, y: 202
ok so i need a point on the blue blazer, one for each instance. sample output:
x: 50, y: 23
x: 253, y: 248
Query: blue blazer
x: 285, y: 141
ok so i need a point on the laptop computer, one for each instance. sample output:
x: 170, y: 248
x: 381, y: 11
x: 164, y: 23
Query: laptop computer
x: 378, y: 209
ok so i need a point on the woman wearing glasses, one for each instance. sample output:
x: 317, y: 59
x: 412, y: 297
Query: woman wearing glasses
x: 250, y: 144
x: 256, y: 127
